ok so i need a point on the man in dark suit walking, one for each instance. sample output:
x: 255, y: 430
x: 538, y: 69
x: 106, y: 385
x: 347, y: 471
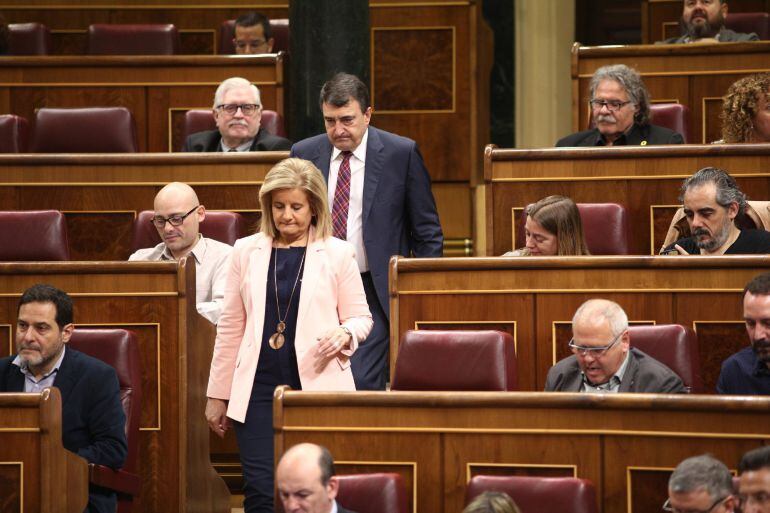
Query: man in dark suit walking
x: 381, y: 201
x: 93, y: 421
x: 237, y: 112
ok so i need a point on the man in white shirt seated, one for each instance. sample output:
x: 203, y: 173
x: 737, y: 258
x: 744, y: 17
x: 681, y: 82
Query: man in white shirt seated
x: 178, y: 214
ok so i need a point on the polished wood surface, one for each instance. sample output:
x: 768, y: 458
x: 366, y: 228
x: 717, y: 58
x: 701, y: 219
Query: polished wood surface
x: 535, y: 298
x: 646, y: 180
x: 37, y: 474
x: 100, y: 195
x: 156, y: 300
x: 625, y: 444
x: 660, y: 18
x: 694, y: 75
x: 158, y: 90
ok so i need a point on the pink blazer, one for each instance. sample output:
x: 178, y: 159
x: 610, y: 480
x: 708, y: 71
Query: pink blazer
x: 332, y: 294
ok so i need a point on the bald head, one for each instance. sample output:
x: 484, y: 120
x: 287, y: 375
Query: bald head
x: 598, y: 312
x: 600, y: 339
x: 177, y: 200
x: 305, y: 479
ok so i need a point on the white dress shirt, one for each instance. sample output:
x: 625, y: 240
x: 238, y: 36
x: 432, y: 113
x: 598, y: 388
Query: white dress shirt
x: 356, y: 207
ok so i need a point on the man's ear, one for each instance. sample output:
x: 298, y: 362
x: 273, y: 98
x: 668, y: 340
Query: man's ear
x: 66, y: 332
x: 732, y: 210
x: 333, y: 487
x: 270, y: 43
x: 723, y: 8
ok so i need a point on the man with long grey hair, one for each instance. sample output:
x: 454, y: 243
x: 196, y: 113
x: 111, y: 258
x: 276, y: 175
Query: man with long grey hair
x: 712, y: 203
x: 620, y: 112
x: 701, y: 483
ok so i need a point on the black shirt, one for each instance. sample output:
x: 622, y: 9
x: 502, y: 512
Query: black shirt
x: 749, y: 242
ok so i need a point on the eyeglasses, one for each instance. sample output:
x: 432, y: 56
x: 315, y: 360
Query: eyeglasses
x: 175, y: 220
x: 758, y: 498
x: 256, y: 43
x: 248, y: 109
x: 594, y: 351
x: 612, y: 105
x: 668, y: 507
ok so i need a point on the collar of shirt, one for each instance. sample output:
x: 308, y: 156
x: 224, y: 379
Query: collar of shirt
x: 613, y: 385
x: 243, y: 147
x: 198, y: 251
x: 334, y: 507
x: 24, y: 368
x: 620, y: 141
x: 359, y: 152
x: 688, y: 39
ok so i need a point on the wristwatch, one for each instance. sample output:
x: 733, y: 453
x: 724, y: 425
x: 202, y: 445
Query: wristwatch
x: 346, y: 330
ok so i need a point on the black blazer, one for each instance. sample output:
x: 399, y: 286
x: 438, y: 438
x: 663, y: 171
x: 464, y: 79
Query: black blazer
x: 210, y: 140
x: 93, y: 421
x: 638, y: 136
x: 399, y: 212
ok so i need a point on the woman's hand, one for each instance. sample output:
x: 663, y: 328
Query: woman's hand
x: 333, y: 341
x: 216, y: 416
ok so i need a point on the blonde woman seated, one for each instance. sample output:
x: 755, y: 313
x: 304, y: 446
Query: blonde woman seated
x: 492, y: 502
x: 553, y: 227
x: 294, y: 312
x: 746, y: 110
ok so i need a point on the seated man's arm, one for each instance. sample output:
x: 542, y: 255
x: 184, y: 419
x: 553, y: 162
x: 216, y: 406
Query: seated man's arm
x: 106, y: 421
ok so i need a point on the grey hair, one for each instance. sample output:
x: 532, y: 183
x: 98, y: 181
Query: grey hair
x: 702, y: 472
x: 630, y: 80
x: 606, y: 309
x: 727, y: 188
x: 235, y: 83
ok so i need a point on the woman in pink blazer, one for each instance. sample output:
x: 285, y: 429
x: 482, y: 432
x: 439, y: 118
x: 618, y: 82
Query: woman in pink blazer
x: 294, y: 311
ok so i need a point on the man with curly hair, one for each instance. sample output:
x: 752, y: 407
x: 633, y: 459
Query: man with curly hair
x: 746, y: 110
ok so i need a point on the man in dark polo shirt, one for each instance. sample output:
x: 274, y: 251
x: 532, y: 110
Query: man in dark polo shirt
x: 747, y: 372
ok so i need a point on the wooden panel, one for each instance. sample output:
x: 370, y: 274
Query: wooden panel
x: 646, y: 180
x: 101, y: 194
x: 152, y: 300
x: 688, y: 73
x: 660, y: 18
x: 148, y: 86
x: 539, y: 296
x: 609, y: 439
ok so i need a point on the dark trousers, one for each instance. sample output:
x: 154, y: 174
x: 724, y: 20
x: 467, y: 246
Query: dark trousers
x: 255, y: 444
x: 370, y: 361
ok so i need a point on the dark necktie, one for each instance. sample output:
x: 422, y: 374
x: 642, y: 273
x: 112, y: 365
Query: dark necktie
x: 342, y: 198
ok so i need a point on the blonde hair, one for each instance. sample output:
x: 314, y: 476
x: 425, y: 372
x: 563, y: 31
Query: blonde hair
x: 296, y: 174
x: 560, y: 216
x: 492, y: 502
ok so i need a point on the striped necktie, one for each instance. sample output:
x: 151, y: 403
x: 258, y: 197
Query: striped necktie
x: 342, y: 198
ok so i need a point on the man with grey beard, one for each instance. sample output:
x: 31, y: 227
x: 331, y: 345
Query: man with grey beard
x: 747, y: 372
x: 712, y: 202
x: 703, y: 22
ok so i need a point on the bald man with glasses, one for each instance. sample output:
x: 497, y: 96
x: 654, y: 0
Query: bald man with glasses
x: 177, y: 217
x: 603, y: 360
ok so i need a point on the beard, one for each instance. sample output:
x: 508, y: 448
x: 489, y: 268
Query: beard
x: 761, y: 348
x: 715, y: 241
x: 705, y: 29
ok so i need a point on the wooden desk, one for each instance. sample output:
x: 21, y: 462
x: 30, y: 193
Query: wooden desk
x: 158, y: 90
x: 645, y: 180
x: 660, y: 18
x: 37, y: 474
x: 156, y: 300
x: 695, y: 75
x: 101, y: 194
x: 535, y: 298
x: 627, y: 445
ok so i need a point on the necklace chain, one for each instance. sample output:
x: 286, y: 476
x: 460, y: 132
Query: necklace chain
x: 277, y: 339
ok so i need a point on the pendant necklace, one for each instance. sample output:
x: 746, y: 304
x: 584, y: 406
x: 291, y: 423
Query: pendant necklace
x: 277, y: 339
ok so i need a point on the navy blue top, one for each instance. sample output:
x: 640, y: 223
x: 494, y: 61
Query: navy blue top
x: 744, y: 374
x: 279, y: 366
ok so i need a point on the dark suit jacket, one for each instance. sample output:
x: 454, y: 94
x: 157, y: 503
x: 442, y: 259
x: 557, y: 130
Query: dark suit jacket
x: 648, y: 134
x: 210, y: 141
x: 340, y: 509
x: 93, y: 421
x: 725, y: 36
x: 399, y: 212
x: 643, y: 374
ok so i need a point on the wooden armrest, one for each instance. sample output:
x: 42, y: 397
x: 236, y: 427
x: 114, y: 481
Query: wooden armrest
x: 118, y: 480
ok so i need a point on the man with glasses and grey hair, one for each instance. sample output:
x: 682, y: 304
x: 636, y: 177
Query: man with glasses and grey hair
x: 712, y: 203
x: 603, y: 359
x: 620, y: 112
x: 701, y: 484
x: 177, y: 217
x: 237, y: 112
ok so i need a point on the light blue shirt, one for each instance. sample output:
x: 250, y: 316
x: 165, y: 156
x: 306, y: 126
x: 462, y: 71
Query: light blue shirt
x: 46, y: 381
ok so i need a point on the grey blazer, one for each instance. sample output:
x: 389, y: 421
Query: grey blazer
x: 643, y: 374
